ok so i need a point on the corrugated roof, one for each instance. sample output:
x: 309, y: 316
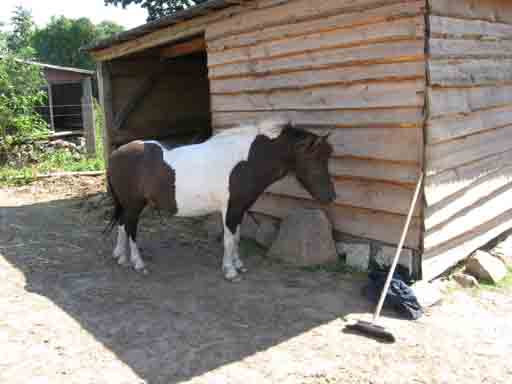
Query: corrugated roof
x: 175, y: 18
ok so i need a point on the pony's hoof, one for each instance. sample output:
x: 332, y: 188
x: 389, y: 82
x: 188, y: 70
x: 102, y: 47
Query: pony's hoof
x: 143, y: 271
x: 242, y: 270
x: 236, y: 279
x: 123, y: 263
x: 231, y: 275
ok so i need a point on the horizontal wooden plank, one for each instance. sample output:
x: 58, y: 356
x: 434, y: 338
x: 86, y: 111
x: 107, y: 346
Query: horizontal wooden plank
x: 443, y: 185
x: 436, y: 261
x: 469, y: 218
x: 449, y: 128
x: 463, y: 28
x: 448, y: 208
x: 365, y: 223
x: 394, y: 144
x: 446, y: 48
x: 453, y: 154
x: 356, y: 193
x: 490, y: 10
x: 355, y: 96
x: 393, y: 51
x: 326, y: 76
x: 347, y: 118
x: 469, y: 72
x: 444, y: 101
x: 344, y: 20
x: 185, y: 48
x: 400, y: 173
x: 289, y: 12
x: 401, y: 29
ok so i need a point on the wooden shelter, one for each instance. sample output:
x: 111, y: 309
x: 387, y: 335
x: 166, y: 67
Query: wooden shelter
x: 404, y: 85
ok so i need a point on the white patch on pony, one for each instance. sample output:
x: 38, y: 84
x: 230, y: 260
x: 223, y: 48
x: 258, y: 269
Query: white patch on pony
x: 202, y: 171
x: 122, y: 244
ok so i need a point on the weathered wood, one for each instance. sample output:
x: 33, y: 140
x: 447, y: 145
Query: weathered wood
x: 105, y: 94
x: 480, y: 190
x: 88, y: 119
x: 389, y: 52
x: 438, y: 260
x: 378, y: 170
x: 384, y: 197
x: 453, y: 154
x: 289, y: 12
x: 50, y: 106
x: 346, y: 118
x: 394, y: 144
x: 365, y: 223
x: 373, y: 95
x: 449, y: 128
x: 400, y: 29
x: 327, y: 76
x: 463, y: 28
x: 456, y: 48
x: 444, y: 101
x: 469, y: 72
x: 344, y: 20
x: 185, y: 48
x: 466, y: 220
x: 490, y: 10
x: 136, y: 98
x: 458, y: 180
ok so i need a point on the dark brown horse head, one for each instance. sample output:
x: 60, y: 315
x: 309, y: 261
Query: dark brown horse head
x: 311, y: 154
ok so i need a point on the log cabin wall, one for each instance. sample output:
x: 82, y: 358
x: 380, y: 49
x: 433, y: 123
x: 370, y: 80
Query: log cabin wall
x: 468, y: 137
x: 356, y: 67
x: 170, y: 96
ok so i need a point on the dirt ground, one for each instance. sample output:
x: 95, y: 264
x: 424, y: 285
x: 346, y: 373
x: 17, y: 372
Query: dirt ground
x: 69, y: 314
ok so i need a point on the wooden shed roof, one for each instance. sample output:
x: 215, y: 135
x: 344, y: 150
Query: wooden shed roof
x: 166, y: 21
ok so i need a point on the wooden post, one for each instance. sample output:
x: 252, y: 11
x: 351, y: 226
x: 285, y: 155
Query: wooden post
x: 88, y: 116
x: 105, y: 93
x: 50, y: 106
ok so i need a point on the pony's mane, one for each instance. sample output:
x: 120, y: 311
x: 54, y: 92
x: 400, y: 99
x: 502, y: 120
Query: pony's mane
x: 270, y: 128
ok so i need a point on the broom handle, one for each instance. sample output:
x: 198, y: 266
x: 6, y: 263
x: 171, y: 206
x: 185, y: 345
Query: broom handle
x: 398, y: 250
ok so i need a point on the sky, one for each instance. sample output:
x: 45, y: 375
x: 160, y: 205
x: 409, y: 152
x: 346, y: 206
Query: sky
x: 95, y: 10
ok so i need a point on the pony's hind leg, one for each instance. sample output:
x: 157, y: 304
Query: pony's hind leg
x: 132, y: 220
x: 120, y: 251
x: 238, y: 264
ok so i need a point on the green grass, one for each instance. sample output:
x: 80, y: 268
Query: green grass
x: 503, y: 285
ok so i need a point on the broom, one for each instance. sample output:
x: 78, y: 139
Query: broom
x: 372, y: 329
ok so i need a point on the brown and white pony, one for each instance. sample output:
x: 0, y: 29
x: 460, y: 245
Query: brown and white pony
x: 226, y: 174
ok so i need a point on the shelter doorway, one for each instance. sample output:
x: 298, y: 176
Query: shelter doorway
x: 163, y: 94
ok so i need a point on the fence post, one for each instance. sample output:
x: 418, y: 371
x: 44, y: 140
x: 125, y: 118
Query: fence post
x: 88, y: 116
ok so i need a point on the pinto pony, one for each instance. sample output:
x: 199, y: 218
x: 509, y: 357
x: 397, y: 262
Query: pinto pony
x: 225, y: 174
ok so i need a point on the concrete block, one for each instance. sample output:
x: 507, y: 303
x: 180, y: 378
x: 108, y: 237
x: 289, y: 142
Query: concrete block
x: 357, y: 255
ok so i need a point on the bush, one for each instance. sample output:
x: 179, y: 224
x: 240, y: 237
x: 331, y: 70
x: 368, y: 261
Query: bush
x: 21, y: 91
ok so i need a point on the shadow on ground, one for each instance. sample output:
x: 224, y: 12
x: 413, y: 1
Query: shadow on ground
x: 183, y: 319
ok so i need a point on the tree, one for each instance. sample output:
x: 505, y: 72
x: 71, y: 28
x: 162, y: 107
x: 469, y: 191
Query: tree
x: 60, y: 40
x: 22, y: 30
x: 157, y: 8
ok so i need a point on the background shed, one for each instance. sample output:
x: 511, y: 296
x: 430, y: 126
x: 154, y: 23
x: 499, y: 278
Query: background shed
x: 403, y: 85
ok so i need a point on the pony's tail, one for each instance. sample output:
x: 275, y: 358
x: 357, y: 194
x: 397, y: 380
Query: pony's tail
x: 116, y: 213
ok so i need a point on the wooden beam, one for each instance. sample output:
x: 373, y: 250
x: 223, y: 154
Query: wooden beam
x: 88, y: 121
x: 105, y: 93
x: 186, y: 48
x: 50, y: 106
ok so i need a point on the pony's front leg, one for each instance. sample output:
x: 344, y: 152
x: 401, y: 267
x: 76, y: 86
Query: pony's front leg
x: 228, y: 265
x: 120, y: 251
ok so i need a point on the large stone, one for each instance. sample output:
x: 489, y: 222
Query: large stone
x: 357, y: 255
x: 385, y: 254
x: 465, y: 280
x: 484, y: 266
x: 503, y: 251
x: 305, y: 238
x: 261, y: 229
